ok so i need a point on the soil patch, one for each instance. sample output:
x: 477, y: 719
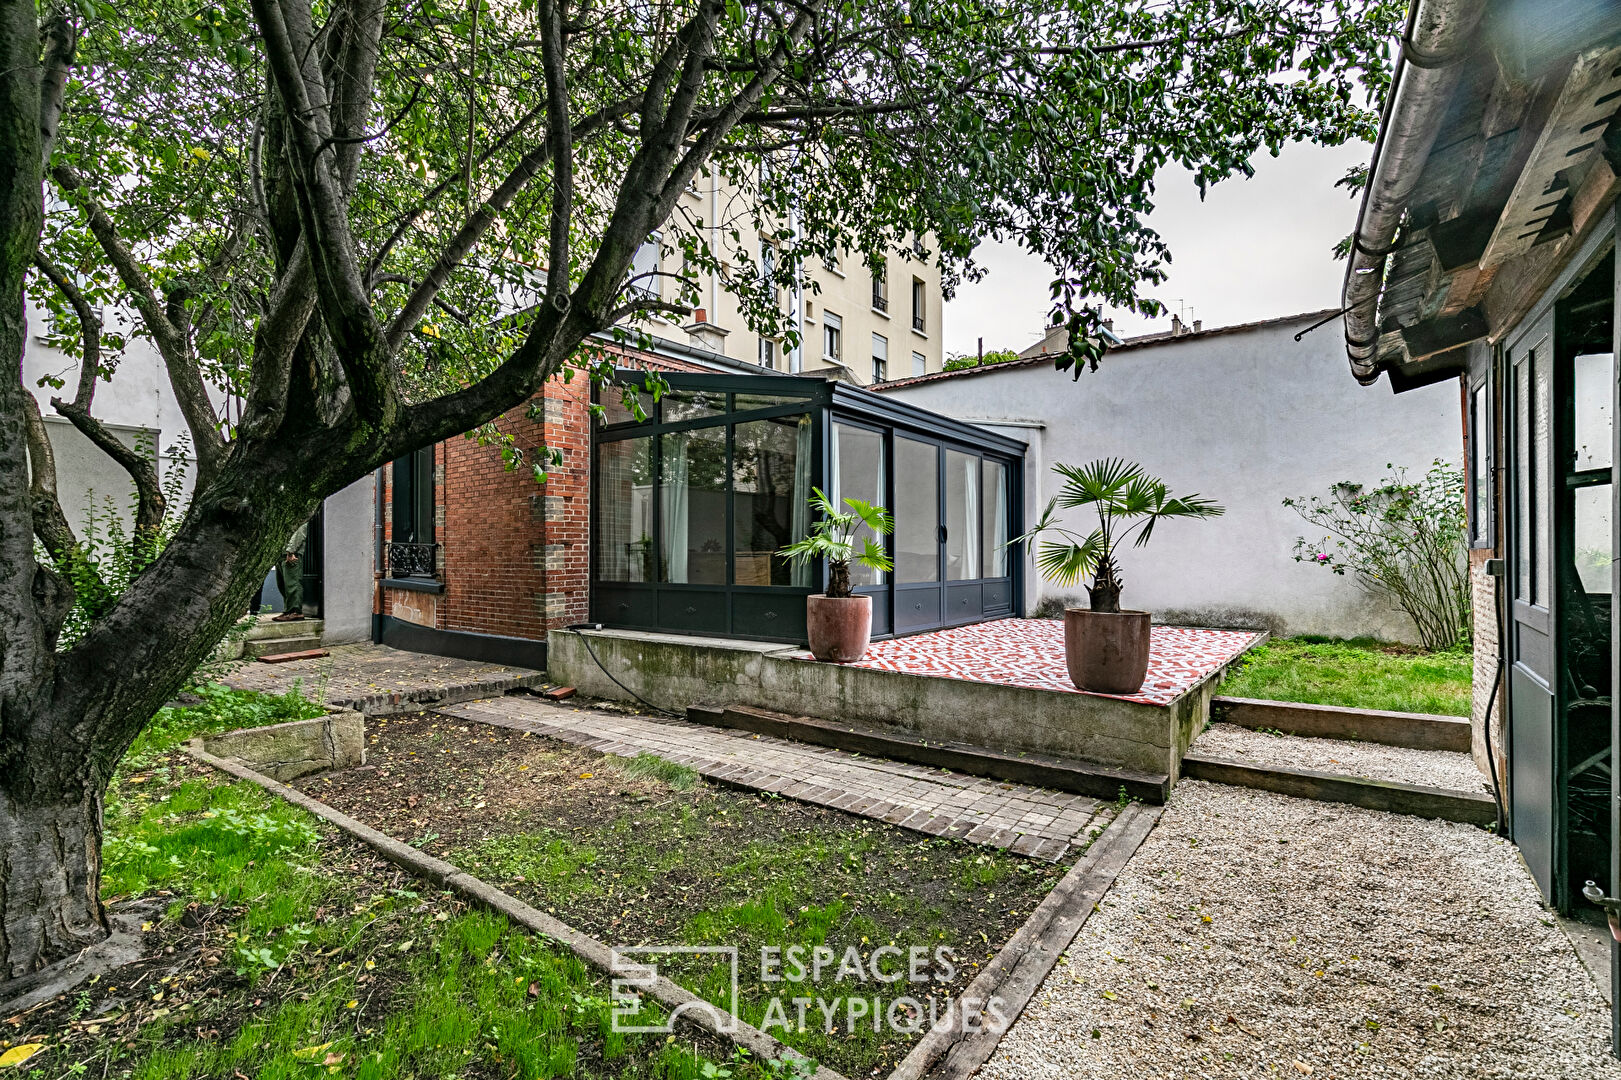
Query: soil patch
x: 641, y: 852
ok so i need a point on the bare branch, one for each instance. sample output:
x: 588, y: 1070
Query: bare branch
x: 61, y: 39
x: 50, y: 524
x: 89, y: 328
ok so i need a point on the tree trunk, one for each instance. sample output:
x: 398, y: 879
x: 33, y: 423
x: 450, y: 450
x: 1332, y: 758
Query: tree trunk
x: 51, y: 852
x: 1105, y: 590
x: 838, y: 578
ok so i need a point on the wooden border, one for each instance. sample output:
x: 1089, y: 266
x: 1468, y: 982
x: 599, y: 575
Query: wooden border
x: 1418, y: 731
x: 1462, y: 806
x: 952, y: 1049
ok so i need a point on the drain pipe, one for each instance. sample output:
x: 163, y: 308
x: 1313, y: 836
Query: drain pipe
x: 1438, y: 37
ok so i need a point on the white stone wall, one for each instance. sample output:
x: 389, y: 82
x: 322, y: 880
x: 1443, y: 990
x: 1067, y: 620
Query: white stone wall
x: 1483, y: 591
x: 1245, y: 416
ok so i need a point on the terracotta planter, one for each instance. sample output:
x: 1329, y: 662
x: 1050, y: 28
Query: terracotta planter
x: 1106, y: 652
x: 839, y: 627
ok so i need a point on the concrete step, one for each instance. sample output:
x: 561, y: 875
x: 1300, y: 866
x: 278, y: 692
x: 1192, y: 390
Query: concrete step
x: 267, y: 629
x: 1469, y: 807
x: 271, y: 646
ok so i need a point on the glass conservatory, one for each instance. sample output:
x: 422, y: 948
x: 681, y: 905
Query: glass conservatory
x: 690, y: 507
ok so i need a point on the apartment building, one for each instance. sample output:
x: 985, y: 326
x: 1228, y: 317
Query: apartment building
x: 870, y: 324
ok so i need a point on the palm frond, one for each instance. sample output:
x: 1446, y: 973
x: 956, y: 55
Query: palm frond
x: 1099, y: 481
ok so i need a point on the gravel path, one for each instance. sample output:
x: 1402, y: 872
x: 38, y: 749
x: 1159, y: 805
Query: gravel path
x: 1255, y: 935
x: 1432, y: 768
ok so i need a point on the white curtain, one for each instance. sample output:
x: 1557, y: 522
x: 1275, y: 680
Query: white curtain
x: 802, y: 489
x: 970, y: 511
x: 673, y: 485
x: 999, y: 536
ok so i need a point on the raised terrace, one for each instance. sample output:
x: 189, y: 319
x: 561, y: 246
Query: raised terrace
x: 999, y: 685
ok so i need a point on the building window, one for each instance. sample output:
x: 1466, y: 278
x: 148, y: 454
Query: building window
x: 880, y: 288
x: 919, y: 306
x: 832, y: 263
x: 768, y: 353
x: 644, y: 267
x: 880, y: 358
x: 832, y: 337
x: 411, y: 546
x: 920, y: 364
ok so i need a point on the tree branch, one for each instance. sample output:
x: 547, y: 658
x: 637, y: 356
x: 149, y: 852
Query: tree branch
x: 61, y: 39
x: 173, y: 345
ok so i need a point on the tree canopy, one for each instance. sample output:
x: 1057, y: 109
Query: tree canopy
x: 381, y: 223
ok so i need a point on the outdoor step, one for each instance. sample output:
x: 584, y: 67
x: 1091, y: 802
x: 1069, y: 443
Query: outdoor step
x: 1471, y: 808
x: 268, y: 629
x: 304, y: 642
x: 289, y: 657
x: 1039, y: 770
x: 1420, y: 731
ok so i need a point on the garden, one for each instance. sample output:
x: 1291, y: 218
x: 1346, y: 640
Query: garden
x: 279, y: 947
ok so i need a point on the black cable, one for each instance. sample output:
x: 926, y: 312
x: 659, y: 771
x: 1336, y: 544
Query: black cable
x: 576, y: 628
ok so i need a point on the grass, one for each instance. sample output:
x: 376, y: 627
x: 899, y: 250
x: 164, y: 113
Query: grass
x: 279, y: 949
x: 1357, y: 673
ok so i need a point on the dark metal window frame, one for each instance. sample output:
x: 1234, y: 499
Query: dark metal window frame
x: 828, y: 403
x: 412, y: 548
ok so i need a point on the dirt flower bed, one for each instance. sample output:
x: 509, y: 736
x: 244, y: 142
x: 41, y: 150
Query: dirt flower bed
x: 278, y: 948
x: 642, y: 853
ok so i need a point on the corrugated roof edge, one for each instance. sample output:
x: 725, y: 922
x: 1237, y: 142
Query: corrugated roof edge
x: 1141, y: 341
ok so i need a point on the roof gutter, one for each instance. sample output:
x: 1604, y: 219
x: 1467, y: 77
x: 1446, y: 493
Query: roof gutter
x: 1439, y: 36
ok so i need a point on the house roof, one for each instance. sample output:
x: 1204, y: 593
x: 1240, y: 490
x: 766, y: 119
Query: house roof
x: 1141, y: 341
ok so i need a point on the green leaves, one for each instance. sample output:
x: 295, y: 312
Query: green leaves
x: 832, y: 535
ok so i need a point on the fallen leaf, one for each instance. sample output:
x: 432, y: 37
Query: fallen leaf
x: 310, y: 1053
x: 14, y: 1057
x: 586, y: 775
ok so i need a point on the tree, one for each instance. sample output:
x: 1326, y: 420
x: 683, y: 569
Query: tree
x: 380, y: 224
x: 968, y: 360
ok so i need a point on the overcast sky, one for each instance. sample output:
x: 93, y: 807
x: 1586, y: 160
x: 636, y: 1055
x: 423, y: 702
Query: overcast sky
x: 1254, y: 249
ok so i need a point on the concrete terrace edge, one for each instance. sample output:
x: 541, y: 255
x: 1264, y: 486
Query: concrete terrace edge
x: 1038, y: 770
x: 1019, y: 968
x: 478, y: 891
x: 1387, y: 795
x: 392, y: 702
x: 673, y: 672
x: 1418, y: 731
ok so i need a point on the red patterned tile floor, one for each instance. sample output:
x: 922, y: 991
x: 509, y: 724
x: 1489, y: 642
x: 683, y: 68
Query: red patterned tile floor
x: 1030, y: 653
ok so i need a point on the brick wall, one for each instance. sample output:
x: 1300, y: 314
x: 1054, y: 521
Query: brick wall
x: 515, y: 555
x: 1483, y: 592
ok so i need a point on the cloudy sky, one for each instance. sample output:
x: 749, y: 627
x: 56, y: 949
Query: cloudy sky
x: 1254, y: 249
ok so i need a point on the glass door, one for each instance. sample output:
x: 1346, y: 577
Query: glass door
x: 919, y: 539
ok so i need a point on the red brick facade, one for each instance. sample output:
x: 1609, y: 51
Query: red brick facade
x: 514, y: 555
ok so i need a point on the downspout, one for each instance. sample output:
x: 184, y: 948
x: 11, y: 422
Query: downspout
x: 378, y: 571
x: 1438, y: 38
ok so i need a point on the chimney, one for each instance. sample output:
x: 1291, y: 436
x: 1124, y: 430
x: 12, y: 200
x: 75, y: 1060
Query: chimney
x: 1176, y: 326
x: 1198, y: 325
x: 1108, y: 324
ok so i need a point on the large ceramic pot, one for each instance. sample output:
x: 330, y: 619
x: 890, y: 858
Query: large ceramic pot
x: 1106, y: 651
x: 839, y: 627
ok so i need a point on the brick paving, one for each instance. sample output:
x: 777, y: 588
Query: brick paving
x: 377, y: 679
x: 1025, y: 820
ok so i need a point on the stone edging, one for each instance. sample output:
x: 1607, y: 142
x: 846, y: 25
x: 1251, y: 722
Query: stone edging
x: 1467, y: 807
x: 600, y: 956
x: 390, y: 702
x: 1419, y: 731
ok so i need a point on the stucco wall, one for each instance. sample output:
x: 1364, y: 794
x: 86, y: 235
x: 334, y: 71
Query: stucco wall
x: 1244, y: 416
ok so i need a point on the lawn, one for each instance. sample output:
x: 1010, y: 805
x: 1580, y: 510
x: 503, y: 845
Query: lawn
x: 1358, y: 673
x: 643, y: 852
x: 281, y: 949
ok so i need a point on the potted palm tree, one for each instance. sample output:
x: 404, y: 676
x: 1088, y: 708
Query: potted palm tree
x: 838, y: 623
x: 1105, y: 648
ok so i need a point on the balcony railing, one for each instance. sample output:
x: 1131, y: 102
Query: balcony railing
x: 413, y: 560
x: 917, y: 323
x: 880, y: 302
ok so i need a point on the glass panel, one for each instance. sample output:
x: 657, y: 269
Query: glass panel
x: 693, y: 404
x: 1522, y: 479
x: 1542, y: 434
x: 1593, y: 377
x: 614, y: 410
x: 745, y: 402
x: 857, y: 471
x: 920, y: 364
x: 1480, y: 476
x: 1592, y: 539
x: 917, y: 511
x: 962, y: 516
x: 625, y: 517
x: 771, y: 462
x: 995, y: 531
x: 692, y: 499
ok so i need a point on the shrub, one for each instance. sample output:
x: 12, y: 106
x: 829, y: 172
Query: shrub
x: 1406, y: 541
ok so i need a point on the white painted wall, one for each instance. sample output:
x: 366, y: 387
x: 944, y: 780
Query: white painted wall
x: 1244, y: 416
x: 138, y: 402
